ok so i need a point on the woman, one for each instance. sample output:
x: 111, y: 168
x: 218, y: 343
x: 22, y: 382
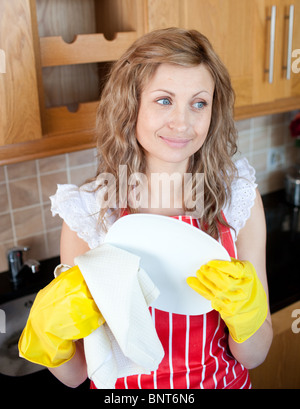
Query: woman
x: 167, y: 108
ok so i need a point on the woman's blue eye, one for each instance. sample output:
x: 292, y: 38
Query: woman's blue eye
x: 200, y: 104
x: 164, y: 101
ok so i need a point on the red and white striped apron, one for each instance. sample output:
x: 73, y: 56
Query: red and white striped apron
x: 196, y: 348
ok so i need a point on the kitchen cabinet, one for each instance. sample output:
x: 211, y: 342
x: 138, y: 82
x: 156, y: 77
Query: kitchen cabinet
x: 228, y: 25
x: 281, y: 369
x: 240, y: 32
x: 276, y: 36
x: 59, y: 51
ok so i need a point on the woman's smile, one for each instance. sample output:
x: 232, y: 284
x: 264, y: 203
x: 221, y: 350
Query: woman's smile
x: 175, y: 142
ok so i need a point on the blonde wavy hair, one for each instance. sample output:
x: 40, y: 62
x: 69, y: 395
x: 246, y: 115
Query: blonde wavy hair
x: 119, y: 106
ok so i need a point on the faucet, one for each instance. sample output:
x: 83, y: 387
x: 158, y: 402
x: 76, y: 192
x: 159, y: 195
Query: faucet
x: 17, y: 267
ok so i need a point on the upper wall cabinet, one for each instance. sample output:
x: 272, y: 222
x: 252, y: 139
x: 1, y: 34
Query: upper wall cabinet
x: 256, y: 39
x: 277, y: 38
x: 229, y: 26
x: 57, y: 54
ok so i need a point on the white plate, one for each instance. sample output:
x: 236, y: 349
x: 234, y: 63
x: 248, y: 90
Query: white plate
x: 170, y: 251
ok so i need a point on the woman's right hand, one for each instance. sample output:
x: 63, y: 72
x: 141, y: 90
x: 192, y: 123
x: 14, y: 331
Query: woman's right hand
x: 62, y: 312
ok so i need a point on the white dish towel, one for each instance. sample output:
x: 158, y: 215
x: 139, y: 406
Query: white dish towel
x: 127, y: 344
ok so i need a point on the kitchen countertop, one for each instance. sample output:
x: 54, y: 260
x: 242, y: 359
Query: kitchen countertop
x: 283, y: 248
x: 283, y: 269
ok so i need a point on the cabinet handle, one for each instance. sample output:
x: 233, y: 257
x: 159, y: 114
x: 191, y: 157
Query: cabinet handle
x: 272, y: 44
x: 290, y: 43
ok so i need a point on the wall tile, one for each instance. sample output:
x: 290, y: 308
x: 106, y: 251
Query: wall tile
x: 260, y: 139
x: 244, y: 142
x: 4, y: 247
x: 28, y: 222
x: 52, y: 164
x: 262, y: 180
x: 259, y: 161
x: 6, y: 231
x: 49, y: 183
x: 291, y: 154
x: 50, y: 221
x: 53, y: 240
x: 21, y: 170
x: 4, y: 206
x: 2, y: 174
x: 79, y: 175
x: 243, y: 125
x: 24, y: 192
x: 279, y: 118
x: 261, y: 121
x: 82, y: 157
x: 277, y: 135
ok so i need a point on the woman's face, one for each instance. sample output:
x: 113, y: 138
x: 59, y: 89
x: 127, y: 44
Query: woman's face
x: 174, y: 116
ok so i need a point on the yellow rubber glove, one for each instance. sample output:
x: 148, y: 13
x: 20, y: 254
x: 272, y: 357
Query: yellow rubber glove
x: 235, y: 292
x: 62, y: 312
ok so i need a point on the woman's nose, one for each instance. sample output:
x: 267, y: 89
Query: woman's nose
x: 179, y: 120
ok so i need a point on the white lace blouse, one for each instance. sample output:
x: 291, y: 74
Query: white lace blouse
x: 79, y: 206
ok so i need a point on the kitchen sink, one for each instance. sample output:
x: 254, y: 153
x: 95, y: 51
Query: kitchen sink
x: 15, y: 314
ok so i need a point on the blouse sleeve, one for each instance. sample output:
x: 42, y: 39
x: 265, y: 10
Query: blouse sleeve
x: 79, y: 208
x: 238, y: 211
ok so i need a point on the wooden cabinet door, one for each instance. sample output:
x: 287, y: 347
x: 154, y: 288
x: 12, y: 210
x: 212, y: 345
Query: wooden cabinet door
x: 19, y: 111
x: 228, y: 24
x: 276, y: 35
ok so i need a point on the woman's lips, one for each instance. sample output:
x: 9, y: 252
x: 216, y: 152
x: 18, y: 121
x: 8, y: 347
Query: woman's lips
x: 176, y: 142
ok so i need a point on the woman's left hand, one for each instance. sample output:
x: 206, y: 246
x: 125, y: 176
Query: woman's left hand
x: 236, y: 292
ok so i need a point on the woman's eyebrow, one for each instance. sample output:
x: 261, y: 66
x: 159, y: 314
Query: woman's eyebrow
x: 201, y: 92
x: 163, y: 90
x: 172, y: 93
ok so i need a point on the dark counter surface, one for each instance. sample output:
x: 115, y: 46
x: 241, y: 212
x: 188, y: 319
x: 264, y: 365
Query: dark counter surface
x: 283, y: 250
